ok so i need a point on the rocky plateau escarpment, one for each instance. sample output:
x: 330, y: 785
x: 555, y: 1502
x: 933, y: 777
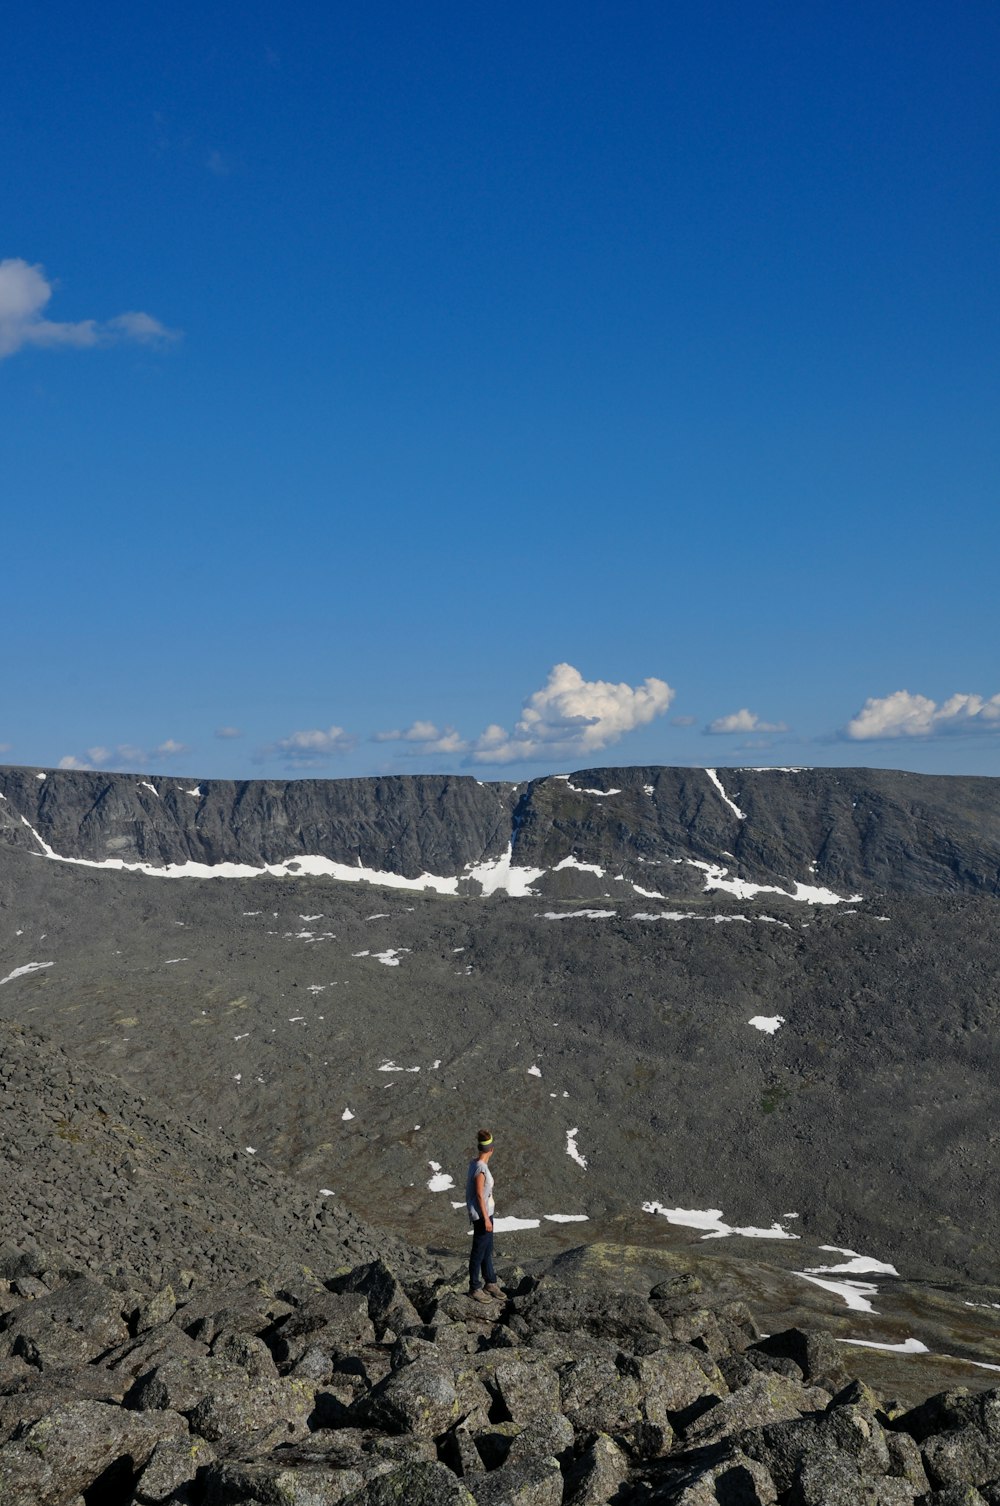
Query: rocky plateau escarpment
x: 849, y: 829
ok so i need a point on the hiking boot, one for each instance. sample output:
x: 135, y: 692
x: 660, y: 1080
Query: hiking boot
x: 478, y: 1295
x: 494, y: 1290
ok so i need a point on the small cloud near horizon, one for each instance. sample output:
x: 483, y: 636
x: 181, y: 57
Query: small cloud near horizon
x: 431, y: 739
x: 743, y: 720
x: 25, y: 292
x: 904, y: 715
x: 228, y: 733
x: 569, y: 717
x: 123, y: 755
x: 310, y: 748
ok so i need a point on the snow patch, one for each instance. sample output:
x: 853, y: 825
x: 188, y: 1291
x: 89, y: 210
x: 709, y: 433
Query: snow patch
x: 572, y: 862
x: 144, y: 784
x: 29, y: 967
x: 573, y: 1150
x: 769, y: 1023
x: 347, y: 1115
x: 856, y: 1294
x: 908, y: 1346
x: 440, y: 1181
x: 855, y: 1265
x: 711, y: 1221
x: 566, y: 1218
x: 717, y: 877
x: 714, y: 777
x: 500, y: 875
x: 535, y: 1071
x: 718, y: 920
x: 307, y: 866
x: 579, y: 914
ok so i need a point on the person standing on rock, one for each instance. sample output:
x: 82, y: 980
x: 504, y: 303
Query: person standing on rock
x: 479, y: 1202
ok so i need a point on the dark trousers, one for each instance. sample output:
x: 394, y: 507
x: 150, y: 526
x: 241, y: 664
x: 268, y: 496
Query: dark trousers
x: 481, y: 1259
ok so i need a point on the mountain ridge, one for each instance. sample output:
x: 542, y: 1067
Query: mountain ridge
x: 841, y: 829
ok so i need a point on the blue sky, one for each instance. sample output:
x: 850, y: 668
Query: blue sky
x: 547, y: 385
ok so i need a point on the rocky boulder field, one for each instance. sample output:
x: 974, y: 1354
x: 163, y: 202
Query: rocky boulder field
x: 247, y: 1030
x: 180, y: 1325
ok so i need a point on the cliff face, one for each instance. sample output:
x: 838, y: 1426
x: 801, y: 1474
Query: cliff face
x: 846, y: 829
x: 407, y: 826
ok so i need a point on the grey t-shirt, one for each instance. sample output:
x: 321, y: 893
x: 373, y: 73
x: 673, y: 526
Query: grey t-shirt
x: 471, y: 1201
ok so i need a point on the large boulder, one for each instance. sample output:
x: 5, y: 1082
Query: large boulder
x: 420, y: 1398
x: 413, y: 1485
x: 677, y: 1377
x: 853, y: 1432
x: 766, y: 1399
x: 962, y: 1456
x: 82, y: 1448
x: 524, y: 1389
x: 242, y: 1409
x: 173, y: 1470
x: 519, y: 1482
x: 278, y: 1482
x: 621, y: 1318
x: 598, y: 1474
x: 237, y: 1307
x: 721, y: 1477
x: 598, y: 1397
x: 388, y: 1304
x: 831, y: 1479
x: 947, y: 1410
x: 72, y: 1325
x: 817, y: 1355
x: 179, y: 1382
x: 30, y: 1396
x: 335, y: 1321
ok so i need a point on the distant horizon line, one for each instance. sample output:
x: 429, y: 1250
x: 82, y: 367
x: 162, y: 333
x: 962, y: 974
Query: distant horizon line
x: 144, y: 775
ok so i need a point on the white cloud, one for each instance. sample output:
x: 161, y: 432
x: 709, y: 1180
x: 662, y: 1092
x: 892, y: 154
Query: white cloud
x: 683, y: 721
x: 24, y: 294
x: 431, y: 738
x: 124, y: 755
x: 5, y: 747
x: 227, y: 733
x: 419, y: 732
x: 571, y: 716
x: 904, y: 715
x: 311, y: 748
x: 742, y: 721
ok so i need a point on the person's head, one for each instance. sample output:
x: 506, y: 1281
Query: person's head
x: 484, y: 1144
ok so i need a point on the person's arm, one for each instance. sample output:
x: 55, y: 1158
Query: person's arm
x: 484, y: 1212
